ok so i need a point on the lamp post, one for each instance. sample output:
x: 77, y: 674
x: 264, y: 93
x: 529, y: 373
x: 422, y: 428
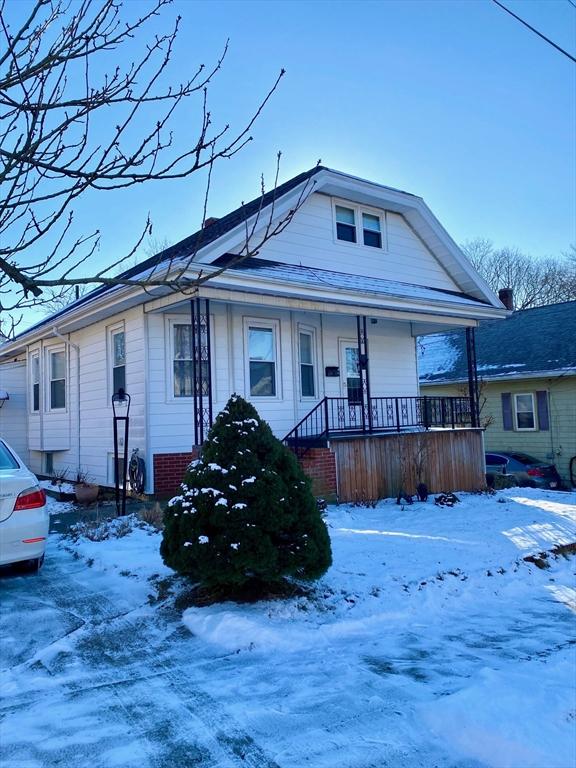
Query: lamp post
x: 120, y: 399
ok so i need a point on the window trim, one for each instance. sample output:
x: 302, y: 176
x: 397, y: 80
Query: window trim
x: 170, y: 322
x: 359, y: 224
x: 310, y: 331
x: 35, y: 359
x: 112, y: 330
x: 516, y: 395
x: 48, y: 389
x: 268, y: 324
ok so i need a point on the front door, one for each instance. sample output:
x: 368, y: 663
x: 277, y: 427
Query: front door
x: 350, y: 381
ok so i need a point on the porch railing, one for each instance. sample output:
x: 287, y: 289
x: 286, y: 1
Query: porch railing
x: 335, y: 416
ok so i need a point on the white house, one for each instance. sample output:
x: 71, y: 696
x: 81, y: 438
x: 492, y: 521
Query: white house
x: 324, y: 320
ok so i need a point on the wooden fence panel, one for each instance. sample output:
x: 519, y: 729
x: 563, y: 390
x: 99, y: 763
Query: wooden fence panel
x: 379, y: 466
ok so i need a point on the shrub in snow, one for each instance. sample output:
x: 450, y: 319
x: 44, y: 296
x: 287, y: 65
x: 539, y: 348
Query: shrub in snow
x: 245, y: 513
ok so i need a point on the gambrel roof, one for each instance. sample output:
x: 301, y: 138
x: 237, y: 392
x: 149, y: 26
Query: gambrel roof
x: 225, y: 235
x: 538, y: 342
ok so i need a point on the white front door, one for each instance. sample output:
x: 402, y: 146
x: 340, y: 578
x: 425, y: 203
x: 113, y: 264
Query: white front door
x: 350, y: 381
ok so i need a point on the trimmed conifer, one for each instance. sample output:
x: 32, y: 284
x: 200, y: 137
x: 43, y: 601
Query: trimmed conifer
x: 245, y: 513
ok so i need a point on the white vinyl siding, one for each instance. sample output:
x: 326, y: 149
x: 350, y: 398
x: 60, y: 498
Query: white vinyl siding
x: 311, y: 240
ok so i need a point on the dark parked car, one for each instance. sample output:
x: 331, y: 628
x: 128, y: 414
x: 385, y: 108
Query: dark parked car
x: 524, y: 469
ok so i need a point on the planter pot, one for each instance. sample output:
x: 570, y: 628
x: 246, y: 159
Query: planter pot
x: 86, y: 493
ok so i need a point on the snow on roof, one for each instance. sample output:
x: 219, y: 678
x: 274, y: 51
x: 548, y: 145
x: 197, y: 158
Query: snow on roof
x: 534, y: 341
x: 303, y: 275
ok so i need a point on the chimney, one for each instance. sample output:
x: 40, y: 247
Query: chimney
x: 210, y: 220
x: 506, y: 296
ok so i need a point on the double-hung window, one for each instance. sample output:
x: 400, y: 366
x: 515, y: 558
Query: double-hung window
x: 345, y: 224
x: 57, y: 371
x: 262, y: 360
x: 306, y: 360
x: 525, y: 414
x: 358, y: 225
x: 182, y: 363
x: 118, y: 360
x: 35, y: 381
x: 371, y: 232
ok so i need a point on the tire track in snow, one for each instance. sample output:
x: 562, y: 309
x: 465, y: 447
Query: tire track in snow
x: 198, y: 731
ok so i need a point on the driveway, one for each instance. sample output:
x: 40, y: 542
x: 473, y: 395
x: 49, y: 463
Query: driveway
x: 97, y: 671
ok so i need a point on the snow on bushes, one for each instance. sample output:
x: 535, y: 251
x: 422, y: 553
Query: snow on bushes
x: 245, y: 514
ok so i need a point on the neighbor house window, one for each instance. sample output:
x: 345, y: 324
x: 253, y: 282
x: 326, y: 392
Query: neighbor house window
x: 345, y: 224
x: 118, y: 360
x: 35, y: 381
x: 524, y: 408
x: 262, y: 360
x: 371, y: 230
x: 57, y: 368
x: 306, y: 354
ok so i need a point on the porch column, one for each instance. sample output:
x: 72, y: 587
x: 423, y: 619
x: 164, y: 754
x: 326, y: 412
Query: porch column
x: 201, y: 367
x: 472, y: 376
x: 364, y: 372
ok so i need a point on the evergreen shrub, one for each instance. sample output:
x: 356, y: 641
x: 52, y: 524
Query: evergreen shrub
x: 245, y: 514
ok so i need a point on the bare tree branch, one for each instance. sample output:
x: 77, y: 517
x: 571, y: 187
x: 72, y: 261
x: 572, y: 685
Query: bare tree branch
x: 74, y: 119
x: 534, y: 281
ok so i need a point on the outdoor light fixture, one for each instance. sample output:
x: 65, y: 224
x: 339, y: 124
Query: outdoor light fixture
x: 120, y: 399
x: 3, y: 397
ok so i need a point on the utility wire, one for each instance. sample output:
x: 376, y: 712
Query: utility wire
x: 535, y: 31
x: 572, y: 3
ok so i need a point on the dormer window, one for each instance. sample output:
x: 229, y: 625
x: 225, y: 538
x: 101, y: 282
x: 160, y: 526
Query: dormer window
x: 360, y: 225
x: 345, y: 224
x: 371, y: 231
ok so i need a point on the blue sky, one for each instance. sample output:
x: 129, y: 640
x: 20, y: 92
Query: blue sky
x: 452, y: 100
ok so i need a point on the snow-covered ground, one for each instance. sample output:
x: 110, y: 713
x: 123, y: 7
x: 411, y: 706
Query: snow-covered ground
x: 430, y: 643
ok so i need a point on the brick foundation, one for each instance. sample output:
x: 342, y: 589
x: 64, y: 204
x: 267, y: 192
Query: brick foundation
x: 169, y: 469
x: 319, y: 464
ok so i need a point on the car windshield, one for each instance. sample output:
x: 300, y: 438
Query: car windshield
x: 525, y: 459
x: 7, y: 461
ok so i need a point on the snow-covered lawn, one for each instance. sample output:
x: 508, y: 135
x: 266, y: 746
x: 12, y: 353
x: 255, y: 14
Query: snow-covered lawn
x: 430, y: 643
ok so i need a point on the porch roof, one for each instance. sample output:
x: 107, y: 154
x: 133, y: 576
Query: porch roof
x: 299, y: 274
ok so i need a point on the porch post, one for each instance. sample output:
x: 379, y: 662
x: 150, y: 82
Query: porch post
x: 194, y: 378
x: 472, y: 376
x: 364, y: 373
x: 201, y: 367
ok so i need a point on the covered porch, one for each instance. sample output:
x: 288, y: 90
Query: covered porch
x: 332, y: 378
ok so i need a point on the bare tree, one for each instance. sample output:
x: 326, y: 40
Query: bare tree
x: 534, y: 281
x: 74, y: 119
x: 56, y: 299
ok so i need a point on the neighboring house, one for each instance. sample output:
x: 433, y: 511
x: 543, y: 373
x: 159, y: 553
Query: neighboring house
x: 318, y: 331
x: 527, y: 370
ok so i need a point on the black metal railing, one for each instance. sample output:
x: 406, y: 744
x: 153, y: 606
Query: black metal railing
x: 340, y: 416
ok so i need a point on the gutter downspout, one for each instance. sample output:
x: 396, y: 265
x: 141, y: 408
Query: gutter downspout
x: 57, y: 333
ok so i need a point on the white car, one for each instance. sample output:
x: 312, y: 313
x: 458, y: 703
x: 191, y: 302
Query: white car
x: 24, y: 518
